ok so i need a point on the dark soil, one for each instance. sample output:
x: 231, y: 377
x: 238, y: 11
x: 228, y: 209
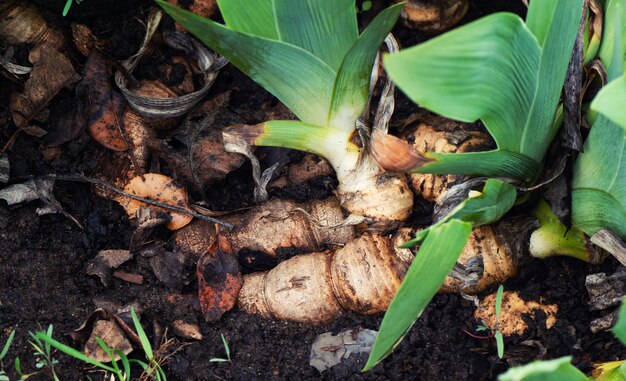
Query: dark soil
x: 43, y: 279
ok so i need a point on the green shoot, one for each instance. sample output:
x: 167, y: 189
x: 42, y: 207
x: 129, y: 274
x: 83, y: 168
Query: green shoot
x: 494, y: 331
x: 43, y: 352
x: 496, y: 327
x: 3, y: 353
x: 226, y: 350
x: 152, y: 368
x: 553, y: 238
x: 68, y: 6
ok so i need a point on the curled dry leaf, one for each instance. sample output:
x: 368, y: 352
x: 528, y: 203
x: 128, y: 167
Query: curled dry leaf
x: 512, y: 309
x: 156, y: 90
x: 363, y: 276
x: 52, y: 71
x: 160, y: 188
x: 433, y: 16
x: 112, y: 335
x: 219, y: 280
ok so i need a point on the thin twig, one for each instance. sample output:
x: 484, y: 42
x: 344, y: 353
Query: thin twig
x: 82, y: 178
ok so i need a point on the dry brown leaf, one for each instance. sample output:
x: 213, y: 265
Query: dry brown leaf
x: 219, y: 280
x: 112, y: 335
x: 52, y: 71
x: 101, y: 106
x: 160, y: 188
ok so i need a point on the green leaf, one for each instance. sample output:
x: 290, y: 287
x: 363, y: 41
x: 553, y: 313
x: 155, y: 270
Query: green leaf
x: 258, y: 20
x: 497, y: 198
x: 610, y: 101
x: 599, y: 183
x: 560, y: 31
x: 619, y: 330
x: 350, y: 91
x: 73, y: 352
x: 559, y: 369
x: 499, y: 302
x: 497, y: 70
x: 499, y: 343
x: 484, y: 70
x: 300, y: 80
x: 327, y: 29
x: 487, y: 163
x: 429, y: 269
x: 143, y: 338
x: 7, y: 345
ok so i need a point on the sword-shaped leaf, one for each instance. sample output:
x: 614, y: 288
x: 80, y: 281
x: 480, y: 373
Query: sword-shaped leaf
x: 500, y: 70
x: 599, y: 183
x: 438, y: 254
x: 441, y: 246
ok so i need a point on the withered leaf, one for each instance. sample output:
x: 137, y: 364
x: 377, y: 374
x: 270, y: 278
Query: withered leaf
x: 219, y: 280
x: 158, y: 188
x: 105, y: 261
x: 102, y: 107
x: 112, y: 335
x: 52, y: 71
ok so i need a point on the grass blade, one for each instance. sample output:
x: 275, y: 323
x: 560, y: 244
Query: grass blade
x: 143, y: 338
x: 7, y: 345
x: 73, y: 352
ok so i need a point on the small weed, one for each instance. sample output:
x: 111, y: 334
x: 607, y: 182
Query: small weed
x: 151, y: 368
x: 43, y: 353
x: 494, y: 331
x: 226, y: 349
x: 68, y: 5
x: 3, y: 353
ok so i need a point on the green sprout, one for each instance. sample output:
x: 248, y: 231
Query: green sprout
x: 494, y: 330
x: 68, y: 5
x: 3, y: 353
x: 151, y: 368
x: 226, y: 350
x: 43, y: 353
